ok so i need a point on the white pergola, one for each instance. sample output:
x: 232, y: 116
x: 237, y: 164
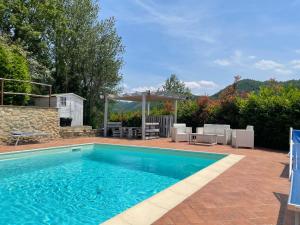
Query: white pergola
x: 144, y: 97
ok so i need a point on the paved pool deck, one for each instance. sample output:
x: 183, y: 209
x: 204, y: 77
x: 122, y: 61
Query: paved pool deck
x: 254, y: 191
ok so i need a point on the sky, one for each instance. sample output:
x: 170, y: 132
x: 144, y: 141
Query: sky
x: 206, y: 42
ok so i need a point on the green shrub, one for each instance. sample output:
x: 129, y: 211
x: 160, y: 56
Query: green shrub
x: 14, y: 65
x: 272, y: 111
x: 186, y: 112
x: 128, y: 119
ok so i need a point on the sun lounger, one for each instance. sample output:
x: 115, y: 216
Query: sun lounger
x: 294, y: 198
x: 20, y: 134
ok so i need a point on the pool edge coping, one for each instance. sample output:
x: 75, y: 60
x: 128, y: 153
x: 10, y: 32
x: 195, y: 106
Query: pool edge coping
x: 154, y: 207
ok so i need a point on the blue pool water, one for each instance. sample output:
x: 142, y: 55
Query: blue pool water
x: 87, y: 187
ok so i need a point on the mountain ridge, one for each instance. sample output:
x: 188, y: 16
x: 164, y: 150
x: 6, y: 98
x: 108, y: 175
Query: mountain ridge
x: 243, y: 86
x: 249, y: 85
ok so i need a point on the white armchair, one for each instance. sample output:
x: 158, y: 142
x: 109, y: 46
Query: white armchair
x: 243, y: 138
x: 179, y: 132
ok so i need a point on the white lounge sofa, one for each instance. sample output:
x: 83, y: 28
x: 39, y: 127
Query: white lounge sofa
x: 180, y: 132
x: 243, y: 138
x: 222, y: 131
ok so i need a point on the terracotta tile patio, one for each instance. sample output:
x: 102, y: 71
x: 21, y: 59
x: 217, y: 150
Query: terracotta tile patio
x: 252, y: 192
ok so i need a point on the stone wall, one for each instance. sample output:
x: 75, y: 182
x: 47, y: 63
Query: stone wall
x: 27, y: 118
x: 77, y: 131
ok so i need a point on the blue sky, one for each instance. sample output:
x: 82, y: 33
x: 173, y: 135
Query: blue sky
x: 206, y: 42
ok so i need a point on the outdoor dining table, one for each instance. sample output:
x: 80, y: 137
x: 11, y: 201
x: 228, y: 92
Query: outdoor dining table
x: 131, y: 132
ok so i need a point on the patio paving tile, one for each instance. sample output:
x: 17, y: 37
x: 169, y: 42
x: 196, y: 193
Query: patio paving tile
x: 252, y: 192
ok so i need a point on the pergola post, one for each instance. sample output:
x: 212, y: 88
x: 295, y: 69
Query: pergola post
x: 105, y: 115
x: 175, y: 111
x: 148, y: 108
x: 144, y: 116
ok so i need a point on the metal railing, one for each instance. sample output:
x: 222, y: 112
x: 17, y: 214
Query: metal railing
x: 2, y: 92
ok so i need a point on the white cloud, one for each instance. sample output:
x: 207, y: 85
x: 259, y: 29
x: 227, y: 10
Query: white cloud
x: 283, y: 71
x: 268, y: 65
x: 222, y: 62
x: 295, y: 63
x: 236, y: 59
x: 197, y: 87
x: 272, y: 66
x: 202, y: 87
x: 200, y: 84
x: 239, y: 59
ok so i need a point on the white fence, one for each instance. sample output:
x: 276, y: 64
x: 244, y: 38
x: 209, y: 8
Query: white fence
x: 165, y: 124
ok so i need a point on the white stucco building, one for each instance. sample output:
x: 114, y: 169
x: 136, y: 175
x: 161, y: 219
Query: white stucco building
x: 69, y: 105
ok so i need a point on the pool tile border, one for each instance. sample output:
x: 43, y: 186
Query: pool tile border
x: 151, y: 209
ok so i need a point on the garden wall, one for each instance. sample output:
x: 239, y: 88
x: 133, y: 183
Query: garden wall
x: 27, y: 118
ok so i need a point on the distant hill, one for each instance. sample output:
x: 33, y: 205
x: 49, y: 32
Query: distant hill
x: 248, y: 85
x: 245, y: 85
x: 124, y: 106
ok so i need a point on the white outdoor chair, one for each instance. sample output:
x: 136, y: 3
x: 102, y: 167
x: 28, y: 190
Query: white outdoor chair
x: 243, y: 138
x: 179, y: 132
x: 222, y: 131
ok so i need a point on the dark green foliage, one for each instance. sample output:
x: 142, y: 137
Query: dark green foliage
x: 272, y: 112
x: 14, y: 65
x: 226, y: 114
x: 191, y: 113
x: 128, y: 119
x: 30, y: 24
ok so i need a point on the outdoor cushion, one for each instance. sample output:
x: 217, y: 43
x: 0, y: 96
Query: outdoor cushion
x: 181, y: 127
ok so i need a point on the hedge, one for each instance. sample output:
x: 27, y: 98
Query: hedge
x: 272, y: 111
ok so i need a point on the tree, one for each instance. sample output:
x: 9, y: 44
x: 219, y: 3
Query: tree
x: 30, y: 24
x: 174, y: 86
x: 67, y: 45
x: 14, y: 65
x: 88, y: 56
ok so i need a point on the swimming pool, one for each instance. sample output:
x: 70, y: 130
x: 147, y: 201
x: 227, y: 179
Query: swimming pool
x: 88, y: 184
